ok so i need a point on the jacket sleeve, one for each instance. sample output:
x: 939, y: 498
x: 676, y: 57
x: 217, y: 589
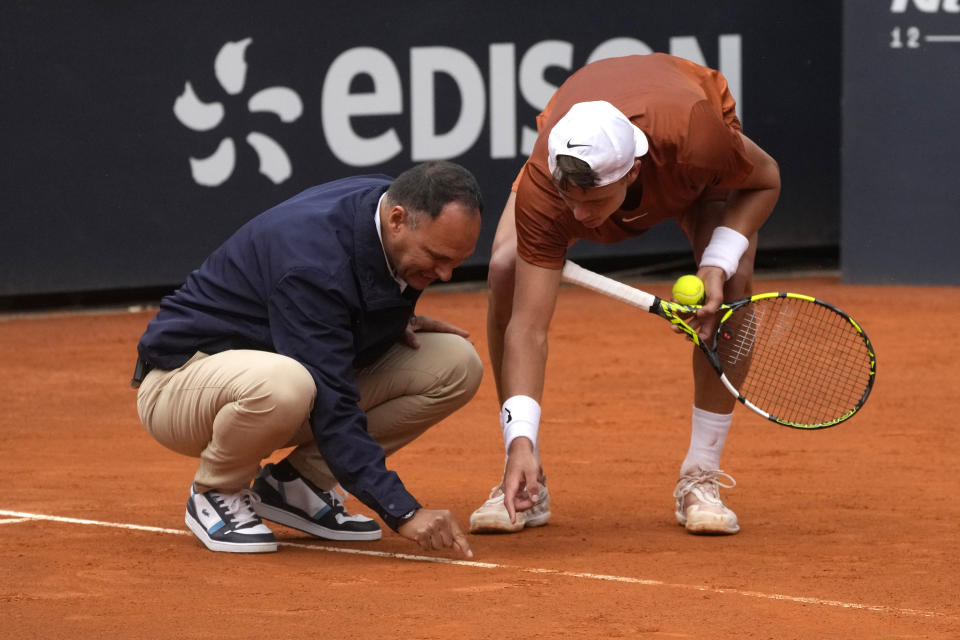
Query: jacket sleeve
x: 312, y: 323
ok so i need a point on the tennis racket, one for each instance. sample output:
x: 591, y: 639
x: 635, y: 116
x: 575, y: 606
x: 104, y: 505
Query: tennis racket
x: 793, y: 359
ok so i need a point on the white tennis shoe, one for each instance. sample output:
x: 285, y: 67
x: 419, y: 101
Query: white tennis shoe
x: 287, y: 497
x: 698, y: 504
x: 492, y: 516
x: 227, y: 522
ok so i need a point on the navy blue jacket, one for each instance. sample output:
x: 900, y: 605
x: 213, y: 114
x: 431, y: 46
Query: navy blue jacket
x: 306, y: 279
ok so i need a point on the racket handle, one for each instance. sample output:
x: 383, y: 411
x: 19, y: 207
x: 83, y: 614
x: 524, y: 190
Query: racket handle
x: 576, y: 274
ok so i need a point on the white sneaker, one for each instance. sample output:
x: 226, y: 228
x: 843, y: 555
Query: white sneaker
x: 492, y: 516
x: 698, y: 504
x: 287, y: 497
x: 227, y: 522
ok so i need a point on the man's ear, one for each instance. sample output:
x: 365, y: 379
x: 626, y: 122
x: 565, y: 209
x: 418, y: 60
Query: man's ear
x: 396, y: 217
x: 634, y: 171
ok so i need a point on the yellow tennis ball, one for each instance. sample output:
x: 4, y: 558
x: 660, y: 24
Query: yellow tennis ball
x: 688, y: 290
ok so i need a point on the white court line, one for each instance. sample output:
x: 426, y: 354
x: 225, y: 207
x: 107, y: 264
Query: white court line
x: 13, y: 520
x: 21, y: 517
x: 942, y: 38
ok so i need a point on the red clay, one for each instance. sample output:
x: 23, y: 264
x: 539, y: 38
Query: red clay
x: 849, y: 532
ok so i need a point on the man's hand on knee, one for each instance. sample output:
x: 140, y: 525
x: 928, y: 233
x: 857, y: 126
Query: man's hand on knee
x: 428, y: 324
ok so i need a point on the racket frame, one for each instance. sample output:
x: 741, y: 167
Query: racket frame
x: 673, y: 312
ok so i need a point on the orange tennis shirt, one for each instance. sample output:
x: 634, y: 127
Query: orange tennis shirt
x: 689, y: 118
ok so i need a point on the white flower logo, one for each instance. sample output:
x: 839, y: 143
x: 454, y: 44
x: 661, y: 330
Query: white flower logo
x: 230, y: 68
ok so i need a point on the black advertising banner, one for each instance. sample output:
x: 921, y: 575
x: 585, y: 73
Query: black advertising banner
x: 140, y: 135
x: 901, y: 142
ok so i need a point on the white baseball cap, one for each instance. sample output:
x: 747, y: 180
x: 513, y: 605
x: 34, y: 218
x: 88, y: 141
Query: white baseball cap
x: 599, y: 134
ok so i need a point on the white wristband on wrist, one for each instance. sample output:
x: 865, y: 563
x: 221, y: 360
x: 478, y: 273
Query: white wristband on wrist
x: 725, y: 250
x: 520, y: 417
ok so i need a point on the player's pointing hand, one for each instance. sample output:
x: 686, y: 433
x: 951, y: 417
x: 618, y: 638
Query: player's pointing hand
x: 520, y: 488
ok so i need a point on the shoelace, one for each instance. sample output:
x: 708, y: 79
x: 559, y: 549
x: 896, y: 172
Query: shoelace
x: 709, y: 477
x: 239, y: 507
x: 337, y: 497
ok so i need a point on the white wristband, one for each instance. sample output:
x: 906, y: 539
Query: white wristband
x: 520, y: 417
x: 725, y: 250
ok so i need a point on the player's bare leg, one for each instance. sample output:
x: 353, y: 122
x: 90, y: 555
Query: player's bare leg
x: 698, y: 506
x: 501, y: 275
x: 492, y: 517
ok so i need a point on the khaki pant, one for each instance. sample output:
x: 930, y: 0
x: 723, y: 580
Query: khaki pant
x: 235, y: 408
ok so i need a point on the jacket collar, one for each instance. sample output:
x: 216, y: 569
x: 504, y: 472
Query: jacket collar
x: 377, y: 285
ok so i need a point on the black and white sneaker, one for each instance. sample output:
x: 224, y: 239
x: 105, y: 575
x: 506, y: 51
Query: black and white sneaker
x: 227, y: 522
x: 290, y: 499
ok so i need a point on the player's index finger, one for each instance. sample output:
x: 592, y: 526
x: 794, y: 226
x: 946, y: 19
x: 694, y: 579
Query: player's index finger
x: 509, y: 497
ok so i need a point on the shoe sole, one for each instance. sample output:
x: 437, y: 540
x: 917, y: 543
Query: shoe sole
x: 227, y: 547
x: 707, y: 527
x: 294, y: 521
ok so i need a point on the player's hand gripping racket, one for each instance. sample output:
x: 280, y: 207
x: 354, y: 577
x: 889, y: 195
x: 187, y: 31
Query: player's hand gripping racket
x: 791, y: 358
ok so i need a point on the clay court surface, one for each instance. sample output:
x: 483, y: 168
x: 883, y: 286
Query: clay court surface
x: 849, y: 532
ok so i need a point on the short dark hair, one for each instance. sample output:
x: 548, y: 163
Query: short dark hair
x: 428, y: 187
x: 573, y: 171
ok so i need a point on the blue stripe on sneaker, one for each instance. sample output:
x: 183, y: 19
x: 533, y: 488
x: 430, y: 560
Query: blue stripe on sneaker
x: 216, y: 527
x: 320, y: 514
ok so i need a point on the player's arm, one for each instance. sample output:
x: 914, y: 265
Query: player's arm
x: 522, y: 375
x: 729, y: 231
x: 749, y: 206
x: 525, y: 341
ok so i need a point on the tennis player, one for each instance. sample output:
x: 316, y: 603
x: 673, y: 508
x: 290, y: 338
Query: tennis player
x: 624, y: 144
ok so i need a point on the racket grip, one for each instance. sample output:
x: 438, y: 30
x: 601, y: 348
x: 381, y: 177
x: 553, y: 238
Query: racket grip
x: 576, y: 274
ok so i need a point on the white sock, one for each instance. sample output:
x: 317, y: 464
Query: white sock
x: 708, y: 432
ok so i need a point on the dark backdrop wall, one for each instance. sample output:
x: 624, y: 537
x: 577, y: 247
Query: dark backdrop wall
x: 901, y: 142
x: 139, y: 135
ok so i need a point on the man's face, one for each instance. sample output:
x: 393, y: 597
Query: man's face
x: 591, y: 207
x: 430, y: 249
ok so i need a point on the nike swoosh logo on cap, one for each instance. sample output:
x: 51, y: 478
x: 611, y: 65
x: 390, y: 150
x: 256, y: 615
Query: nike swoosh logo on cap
x: 570, y: 145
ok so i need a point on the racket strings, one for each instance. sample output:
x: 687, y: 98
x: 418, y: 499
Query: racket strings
x: 800, y: 361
